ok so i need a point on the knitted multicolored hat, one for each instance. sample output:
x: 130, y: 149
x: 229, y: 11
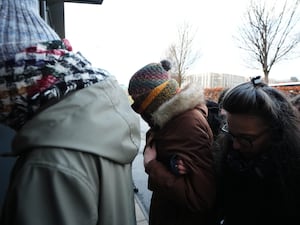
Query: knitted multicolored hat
x: 151, y: 86
x: 37, y: 69
x: 21, y: 26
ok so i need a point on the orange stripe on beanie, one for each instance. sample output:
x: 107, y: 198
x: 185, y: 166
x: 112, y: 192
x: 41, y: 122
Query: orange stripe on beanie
x: 153, y: 94
x: 167, y: 91
x: 150, y: 86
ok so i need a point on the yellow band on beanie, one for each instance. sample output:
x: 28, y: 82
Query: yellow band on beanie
x: 152, y: 96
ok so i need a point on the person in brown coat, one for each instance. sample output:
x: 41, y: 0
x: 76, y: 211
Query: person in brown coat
x: 179, y: 135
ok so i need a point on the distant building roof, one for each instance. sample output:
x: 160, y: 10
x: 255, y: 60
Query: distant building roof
x: 286, y: 84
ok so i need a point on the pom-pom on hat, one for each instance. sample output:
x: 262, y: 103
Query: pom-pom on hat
x: 151, y: 86
x: 21, y: 26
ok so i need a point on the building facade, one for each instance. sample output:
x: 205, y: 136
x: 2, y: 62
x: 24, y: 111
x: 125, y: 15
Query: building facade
x: 213, y: 80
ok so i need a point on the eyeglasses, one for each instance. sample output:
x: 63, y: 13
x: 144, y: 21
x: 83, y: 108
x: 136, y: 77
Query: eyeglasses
x: 245, y: 141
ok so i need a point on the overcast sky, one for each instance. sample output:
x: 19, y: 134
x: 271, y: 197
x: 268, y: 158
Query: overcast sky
x: 121, y: 36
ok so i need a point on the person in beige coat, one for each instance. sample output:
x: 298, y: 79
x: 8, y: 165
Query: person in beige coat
x: 76, y: 134
x: 179, y: 135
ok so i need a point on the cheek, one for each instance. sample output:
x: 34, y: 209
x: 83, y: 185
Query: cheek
x: 258, y: 147
x: 261, y: 145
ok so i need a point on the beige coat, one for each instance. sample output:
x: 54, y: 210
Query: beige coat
x: 75, y: 162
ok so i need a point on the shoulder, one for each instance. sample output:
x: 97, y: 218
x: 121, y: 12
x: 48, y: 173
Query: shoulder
x: 52, y: 163
x: 186, y: 100
x: 192, y: 123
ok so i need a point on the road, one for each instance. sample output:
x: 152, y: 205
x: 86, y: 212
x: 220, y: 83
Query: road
x: 140, y: 178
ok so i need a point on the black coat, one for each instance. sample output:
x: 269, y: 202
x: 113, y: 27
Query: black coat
x: 257, y: 194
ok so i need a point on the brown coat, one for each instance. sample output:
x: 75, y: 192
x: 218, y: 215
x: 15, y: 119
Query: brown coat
x: 184, y: 132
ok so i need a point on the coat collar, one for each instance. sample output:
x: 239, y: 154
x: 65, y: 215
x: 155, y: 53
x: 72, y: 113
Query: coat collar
x: 188, y: 98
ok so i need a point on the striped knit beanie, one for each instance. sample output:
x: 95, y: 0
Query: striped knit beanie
x: 151, y: 86
x: 37, y: 68
x: 21, y: 26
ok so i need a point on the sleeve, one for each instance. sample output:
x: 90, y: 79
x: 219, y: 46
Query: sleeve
x: 50, y: 195
x: 191, y: 140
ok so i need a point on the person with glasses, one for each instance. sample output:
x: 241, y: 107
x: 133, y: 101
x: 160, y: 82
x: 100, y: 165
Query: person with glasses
x: 258, y: 160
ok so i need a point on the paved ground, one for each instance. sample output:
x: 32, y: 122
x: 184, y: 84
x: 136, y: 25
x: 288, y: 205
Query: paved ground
x: 140, y: 179
x: 141, y: 214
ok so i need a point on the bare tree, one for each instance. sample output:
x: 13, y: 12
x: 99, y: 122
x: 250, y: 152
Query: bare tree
x: 269, y: 34
x: 181, y: 53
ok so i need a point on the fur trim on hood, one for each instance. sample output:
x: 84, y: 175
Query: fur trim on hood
x: 188, y: 98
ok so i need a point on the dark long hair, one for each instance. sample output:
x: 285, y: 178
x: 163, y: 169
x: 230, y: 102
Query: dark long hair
x: 258, y: 99
x: 283, y: 154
